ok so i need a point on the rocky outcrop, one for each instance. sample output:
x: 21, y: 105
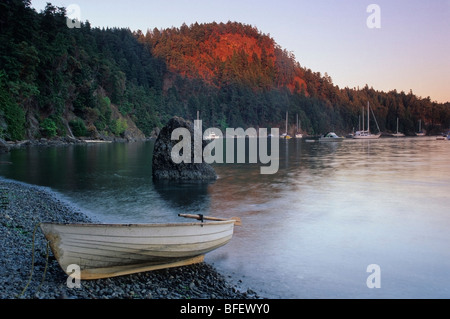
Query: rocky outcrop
x: 132, y: 133
x: 163, y: 166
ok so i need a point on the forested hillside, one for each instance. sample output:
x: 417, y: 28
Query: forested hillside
x: 222, y: 54
x: 256, y: 77
x: 59, y: 81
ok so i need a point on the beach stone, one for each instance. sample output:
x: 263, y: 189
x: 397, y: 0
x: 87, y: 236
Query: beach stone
x: 163, y: 166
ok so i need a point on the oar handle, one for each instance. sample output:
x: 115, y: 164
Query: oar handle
x: 237, y: 220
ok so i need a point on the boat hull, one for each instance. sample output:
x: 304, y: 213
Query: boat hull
x: 331, y: 139
x: 109, y: 250
x: 367, y: 137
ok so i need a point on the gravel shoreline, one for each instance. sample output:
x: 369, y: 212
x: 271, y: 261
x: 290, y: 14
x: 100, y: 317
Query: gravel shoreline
x: 23, y: 207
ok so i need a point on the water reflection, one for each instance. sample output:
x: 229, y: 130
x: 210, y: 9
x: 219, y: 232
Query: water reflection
x: 190, y: 197
x: 313, y: 228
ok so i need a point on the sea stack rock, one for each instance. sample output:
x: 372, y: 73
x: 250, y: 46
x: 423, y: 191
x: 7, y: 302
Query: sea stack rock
x: 163, y: 166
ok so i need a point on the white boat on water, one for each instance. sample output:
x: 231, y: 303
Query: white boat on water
x: 331, y: 137
x: 366, y: 135
x: 421, y: 132
x: 286, y: 135
x: 109, y: 250
x: 211, y: 136
x: 298, y: 134
x: 398, y: 134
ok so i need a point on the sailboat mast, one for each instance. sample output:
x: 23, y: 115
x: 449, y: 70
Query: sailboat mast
x: 363, y: 118
x: 198, y: 117
x: 368, y: 117
x: 287, y: 121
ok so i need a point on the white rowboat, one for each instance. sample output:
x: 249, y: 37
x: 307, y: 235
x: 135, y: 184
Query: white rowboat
x: 110, y: 250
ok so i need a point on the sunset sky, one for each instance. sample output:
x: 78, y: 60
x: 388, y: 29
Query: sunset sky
x: 410, y: 50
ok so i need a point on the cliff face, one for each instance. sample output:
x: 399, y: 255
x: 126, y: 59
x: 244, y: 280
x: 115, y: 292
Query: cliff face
x: 221, y: 54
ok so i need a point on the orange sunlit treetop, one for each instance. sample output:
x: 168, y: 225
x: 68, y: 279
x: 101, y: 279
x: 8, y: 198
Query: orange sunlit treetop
x: 226, y: 53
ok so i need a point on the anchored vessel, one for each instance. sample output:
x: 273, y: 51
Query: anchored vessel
x: 398, y: 134
x: 331, y: 137
x: 366, y: 134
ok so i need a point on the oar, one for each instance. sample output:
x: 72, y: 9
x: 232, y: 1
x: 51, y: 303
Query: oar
x: 237, y: 220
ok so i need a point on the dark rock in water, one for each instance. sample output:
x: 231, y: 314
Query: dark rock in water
x: 163, y: 166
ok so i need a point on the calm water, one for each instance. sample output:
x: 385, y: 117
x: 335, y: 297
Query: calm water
x: 310, y: 231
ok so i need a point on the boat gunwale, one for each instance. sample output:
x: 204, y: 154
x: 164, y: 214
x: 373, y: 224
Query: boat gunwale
x: 136, y: 225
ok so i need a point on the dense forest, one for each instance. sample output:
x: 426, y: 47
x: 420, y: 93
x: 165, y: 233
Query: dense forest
x: 98, y: 83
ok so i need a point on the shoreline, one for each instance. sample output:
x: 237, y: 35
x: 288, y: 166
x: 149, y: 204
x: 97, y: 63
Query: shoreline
x: 24, y: 206
x: 7, y: 146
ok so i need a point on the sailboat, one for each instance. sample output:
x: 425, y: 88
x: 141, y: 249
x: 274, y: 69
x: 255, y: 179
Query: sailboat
x: 286, y: 135
x: 366, y: 135
x: 420, y: 133
x: 298, y: 134
x: 398, y: 134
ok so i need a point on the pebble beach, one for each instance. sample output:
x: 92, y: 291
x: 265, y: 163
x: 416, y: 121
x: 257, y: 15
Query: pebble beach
x: 23, y: 207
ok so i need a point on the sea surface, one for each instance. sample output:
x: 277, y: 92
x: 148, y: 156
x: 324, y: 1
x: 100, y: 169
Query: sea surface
x: 309, y: 231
